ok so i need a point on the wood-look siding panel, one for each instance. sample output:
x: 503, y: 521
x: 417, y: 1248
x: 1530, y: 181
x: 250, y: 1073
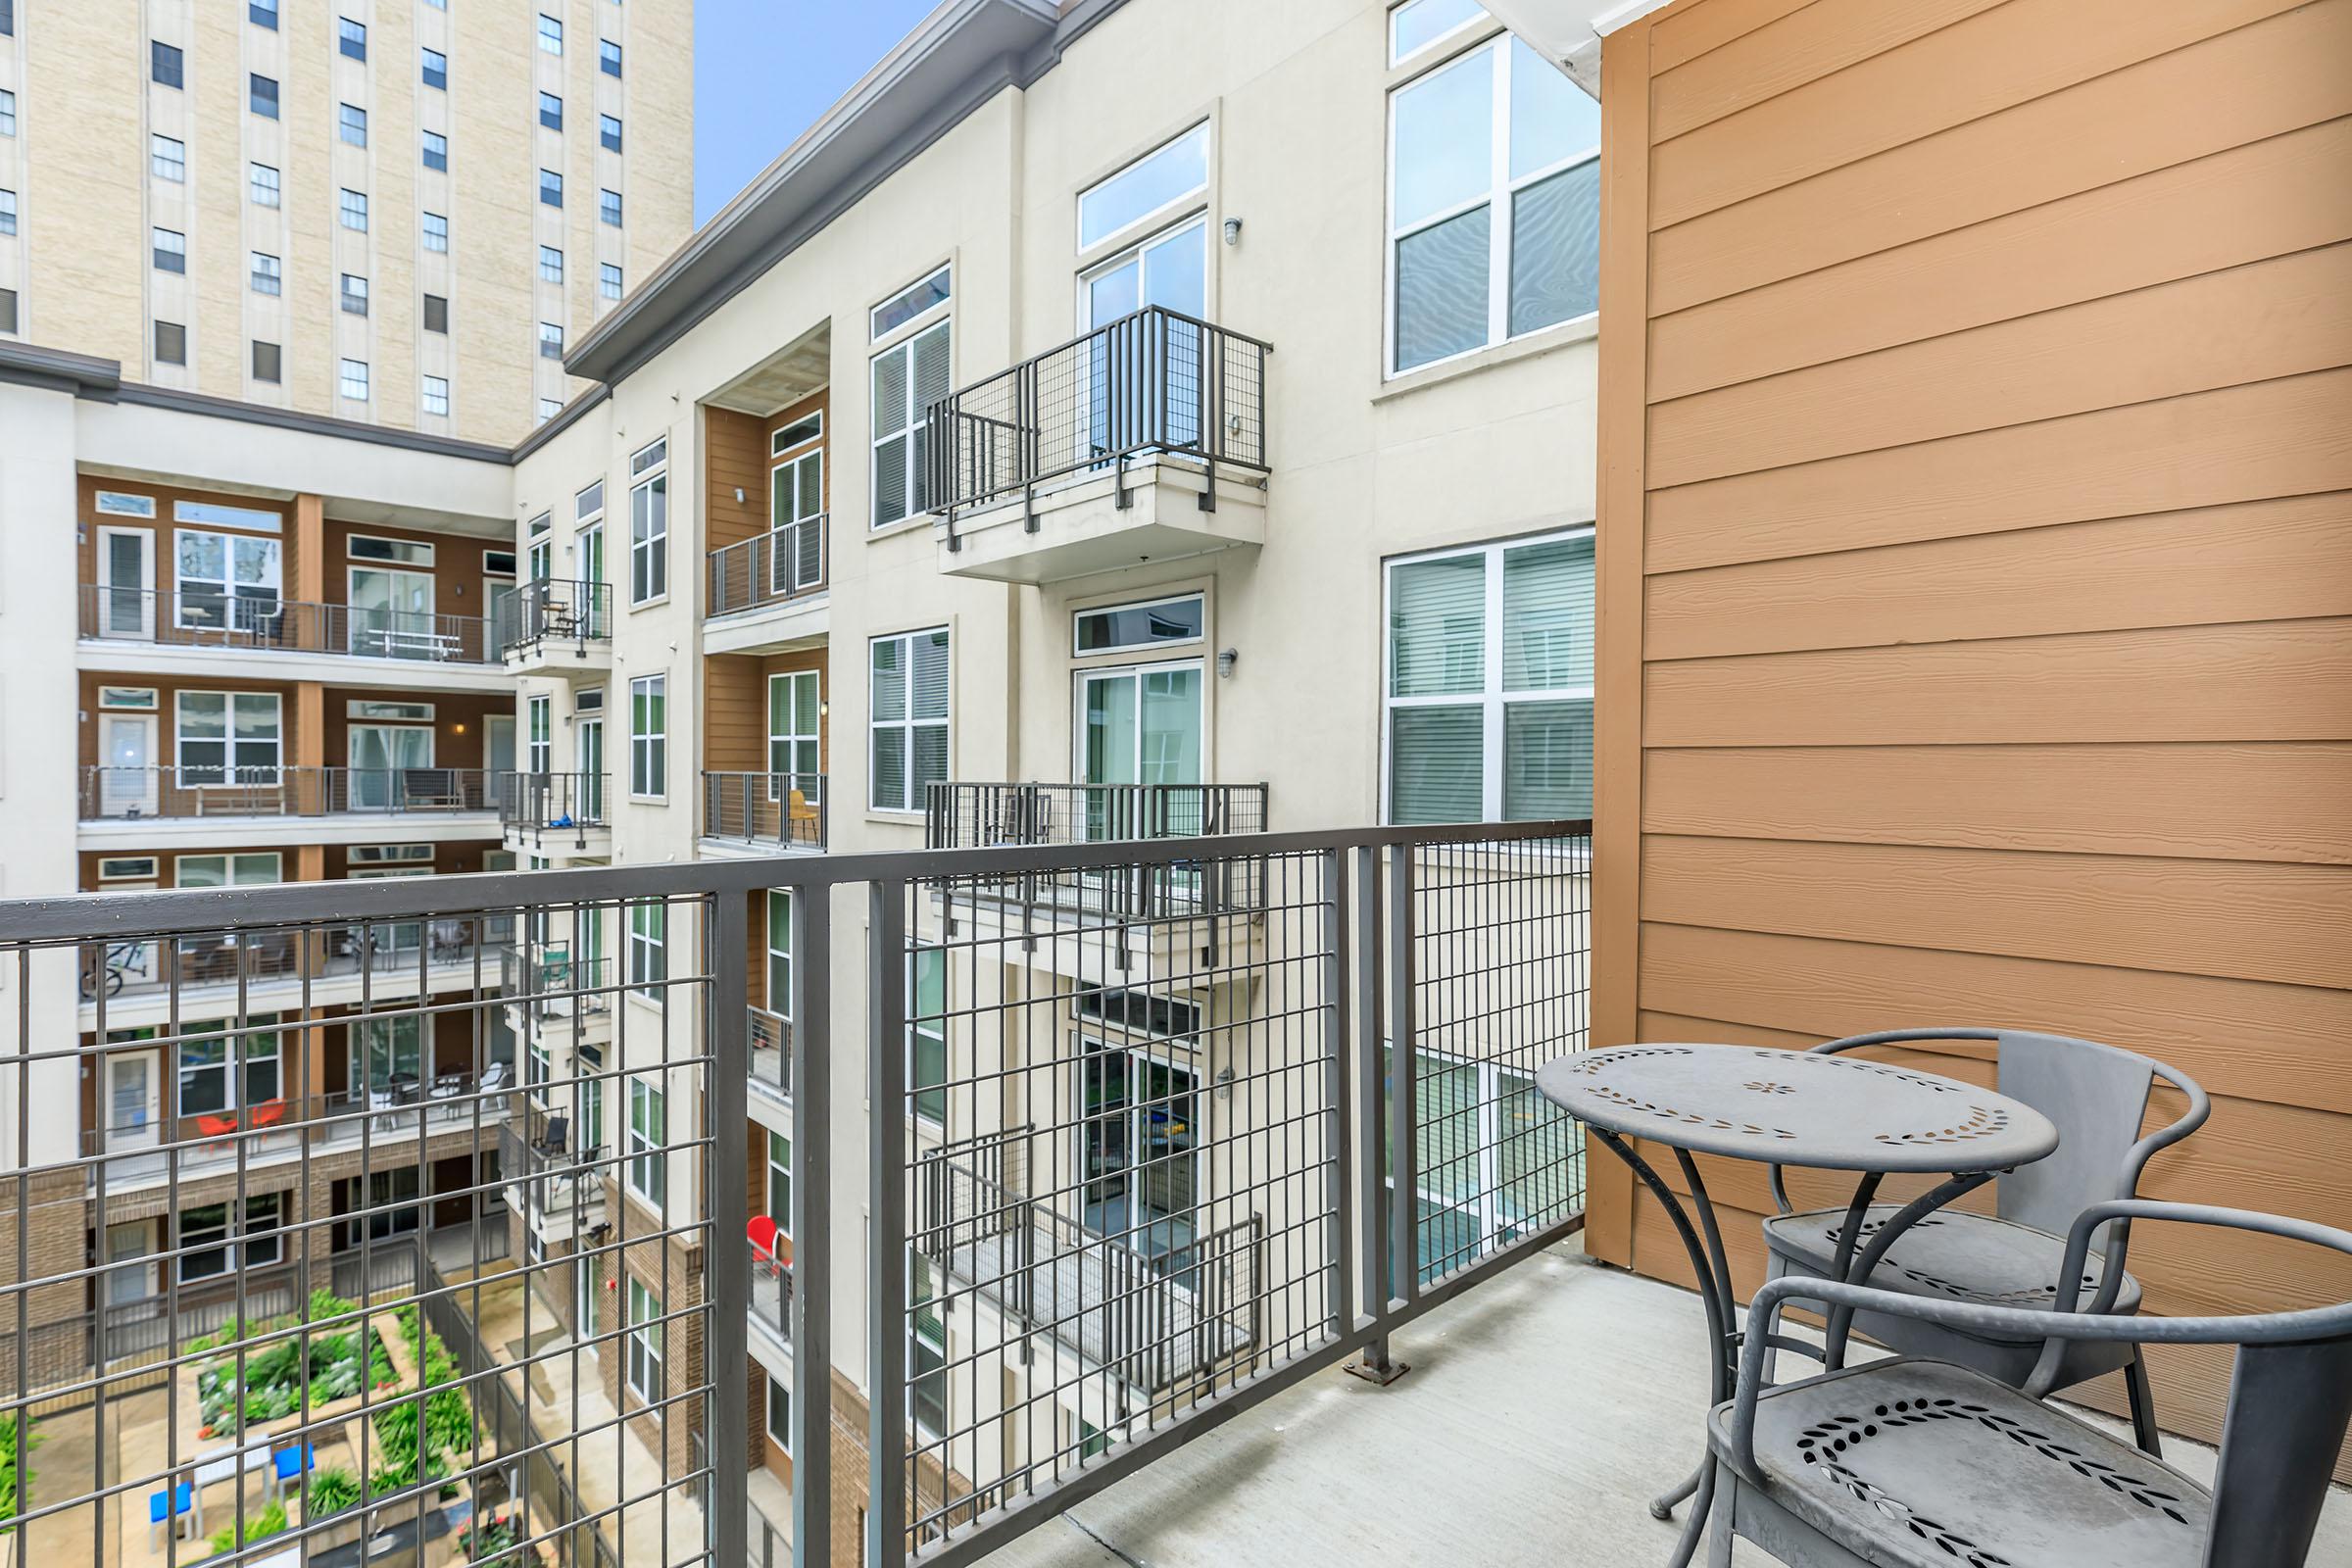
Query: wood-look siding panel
x: 2290, y: 924
x: 2282, y: 559
x: 2285, y: 317
x: 735, y: 458
x: 2291, y: 801
x: 734, y: 716
x: 2272, y: 681
x: 2247, y: 1039
x: 2275, y: 76
x: 1987, y: 63
x: 2271, y: 438
x: 2285, y: 194
x: 1686, y: 32
x: 1804, y: 46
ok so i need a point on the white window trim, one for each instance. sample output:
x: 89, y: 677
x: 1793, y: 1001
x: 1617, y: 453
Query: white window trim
x: 641, y: 1149
x: 941, y: 317
x: 1491, y: 698
x: 229, y: 766
x: 1128, y: 650
x: 1497, y: 196
x: 1459, y: 32
x: 655, y: 469
x: 874, y: 726
x: 1168, y: 215
x: 650, y: 737
x: 645, y: 1364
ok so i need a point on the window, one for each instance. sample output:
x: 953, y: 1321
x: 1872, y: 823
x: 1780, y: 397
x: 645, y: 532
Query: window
x: 220, y: 1071
x: 266, y: 362
x: 1153, y: 184
x: 607, y: 207
x: 551, y: 265
x: 399, y: 552
x: 225, y: 581
x: 608, y: 131
x: 250, y: 870
x: 551, y: 188
x: 649, y: 526
x: 1493, y: 204
x: 927, y: 1034
x: 354, y: 295
x: 549, y: 407
x: 437, y: 395
x: 118, y: 504
x: 260, y: 95
x: 1495, y: 1161
x: 608, y: 280
x: 649, y: 735
x: 261, y: 184
x: 354, y: 209
x: 269, y: 276
x: 799, y: 433
x: 8, y: 114
x: 538, y: 740
x: 227, y: 738
x: 551, y: 34
x: 352, y: 382
x: 168, y: 159
x: 353, y: 120
x: 351, y: 40
x: 908, y: 746
x: 644, y: 1333
x: 550, y: 111
x: 210, y: 1245
x: 8, y: 212
x: 908, y: 377
x: 170, y: 250
x: 436, y: 69
x: 170, y: 343
x: 1490, y: 683
x: 128, y: 868
x: 1416, y: 25
x: 779, y: 1415
x: 794, y: 741
x: 8, y: 310
x: 164, y: 64
x: 926, y: 1350
x: 550, y: 341
x: 1116, y: 628
x: 436, y: 314
x: 648, y: 1169
x: 779, y: 1181
x: 261, y: 13
x: 436, y: 151
x: 435, y: 229
x: 907, y: 304
x: 608, y: 57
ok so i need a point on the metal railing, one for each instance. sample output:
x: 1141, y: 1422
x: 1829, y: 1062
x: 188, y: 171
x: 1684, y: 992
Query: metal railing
x: 1154, y: 383
x: 1114, y: 1184
x: 787, y: 562
x: 554, y: 985
x: 536, y: 805
x: 771, y: 1286
x: 432, y: 954
x: 963, y: 816
x: 769, y: 1035
x: 552, y: 1180
x: 555, y: 610
x: 124, y: 794
x: 776, y: 810
x: 213, y: 619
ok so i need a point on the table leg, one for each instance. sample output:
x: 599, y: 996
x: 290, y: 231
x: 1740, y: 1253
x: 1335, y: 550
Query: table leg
x: 1708, y: 1267
x: 1857, y: 1269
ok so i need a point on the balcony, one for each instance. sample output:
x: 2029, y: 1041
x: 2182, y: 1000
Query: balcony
x: 560, y: 1192
x: 135, y: 983
x: 1143, y: 440
x: 247, y: 805
x: 561, y: 811
x: 239, y: 638
x: 556, y: 627
x: 769, y: 1038
x: 555, y: 990
x: 766, y: 595
x: 771, y: 1292
x: 763, y: 811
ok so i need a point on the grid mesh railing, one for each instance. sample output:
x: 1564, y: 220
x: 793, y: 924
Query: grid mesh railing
x: 970, y: 815
x: 214, y: 618
x: 1155, y: 381
x: 125, y: 794
x: 784, y: 562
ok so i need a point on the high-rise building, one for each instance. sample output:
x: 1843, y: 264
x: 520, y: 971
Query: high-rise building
x: 397, y: 212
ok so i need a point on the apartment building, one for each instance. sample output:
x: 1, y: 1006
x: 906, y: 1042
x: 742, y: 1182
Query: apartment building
x: 1080, y: 433
x: 395, y: 211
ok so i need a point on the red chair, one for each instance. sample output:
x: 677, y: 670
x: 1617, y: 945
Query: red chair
x: 216, y: 1126
x: 762, y: 1232
x: 266, y: 1114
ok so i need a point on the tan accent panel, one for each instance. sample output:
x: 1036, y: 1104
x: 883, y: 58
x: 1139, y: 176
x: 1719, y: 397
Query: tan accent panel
x: 1804, y: 46
x: 735, y: 448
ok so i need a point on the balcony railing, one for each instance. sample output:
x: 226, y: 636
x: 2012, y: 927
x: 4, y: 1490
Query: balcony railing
x: 212, y: 619
x: 125, y: 794
x: 784, y: 562
x: 556, y: 1181
x: 556, y: 612
x: 774, y: 811
x: 439, y: 952
x: 553, y: 985
x: 536, y: 805
x: 961, y: 815
x: 771, y: 1286
x: 1154, y: 383
x: 1149, y: 1201
x: 769, y: 1037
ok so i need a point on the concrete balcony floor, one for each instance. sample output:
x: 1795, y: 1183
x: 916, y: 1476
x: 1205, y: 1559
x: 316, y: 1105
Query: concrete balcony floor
x: 1544, y: 1409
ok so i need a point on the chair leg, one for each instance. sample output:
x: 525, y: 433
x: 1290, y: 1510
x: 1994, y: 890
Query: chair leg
x: 1719, y: 1528
x: 2144, y: 1430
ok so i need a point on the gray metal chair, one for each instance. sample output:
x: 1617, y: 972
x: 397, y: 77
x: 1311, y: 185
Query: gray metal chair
x: 2097, y: 1095
x: 1907, y: 1463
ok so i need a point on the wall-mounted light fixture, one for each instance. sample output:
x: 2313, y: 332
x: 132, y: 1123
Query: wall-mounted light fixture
x: 1232, y: 231
x: 1226, y: 660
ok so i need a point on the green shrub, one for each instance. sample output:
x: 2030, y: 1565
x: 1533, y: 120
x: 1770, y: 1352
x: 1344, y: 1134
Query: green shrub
x: 271, y: 1521
x: 332, y: 1492
x: 14, y: 1474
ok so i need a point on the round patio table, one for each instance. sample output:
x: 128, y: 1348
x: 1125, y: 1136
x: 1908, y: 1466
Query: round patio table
x: 1786, y: 1108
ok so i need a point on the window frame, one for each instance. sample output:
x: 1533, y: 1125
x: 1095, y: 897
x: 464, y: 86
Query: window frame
x: 907, y: 725
x: 262, y: 96
x: 1165, y: 215
x: 177, y: 248
x: 226, y: 769
x: 167, y: 158
x: 648, y: 1137
x: 433, y: 233
x: 351, y: 124
x: 610, y: 284
x: 345, y: 380
x: 434, y: 150
x: 435, y: 388
x: 649, y: 1346
x: 1198, y: 596
x: 551, y: 34
x: 648, y: 533
x: 649, y: 747
x: 432, y: 68
x: 609, y: 208
x: 351, y: 40
x: 905, y: 339
x: 256, y: 188
x: 349, y: 204
x: 273, y: 274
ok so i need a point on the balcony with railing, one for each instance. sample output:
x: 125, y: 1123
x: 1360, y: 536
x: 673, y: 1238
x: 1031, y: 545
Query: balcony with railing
x: 771, y: 1255
x: 553, y: 625
x: 134, y: 983
x: 558, y: 1188
x: 554, y: 988
x: 438, y: 803
x: 240, y: 635
x: 767, y: 1038
x: 1143, y: 439
x: 765, y: 810
x: 768, y: 593
x: 558, y: 810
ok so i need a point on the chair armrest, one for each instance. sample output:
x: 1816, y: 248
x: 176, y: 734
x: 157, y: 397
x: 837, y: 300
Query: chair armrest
x: 1883, y: 1037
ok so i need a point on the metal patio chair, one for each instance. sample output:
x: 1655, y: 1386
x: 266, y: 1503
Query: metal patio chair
x: 2097, y: 1095
x: 1908, y: 1463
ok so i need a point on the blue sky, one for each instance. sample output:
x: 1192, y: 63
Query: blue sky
x: 763, y: 69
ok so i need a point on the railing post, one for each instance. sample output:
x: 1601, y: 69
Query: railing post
x: 726, y: 1357
x: 809, y: 1075
x: 1372, y: 1213
x: 1338, y: 1186
x: 886, y: 1284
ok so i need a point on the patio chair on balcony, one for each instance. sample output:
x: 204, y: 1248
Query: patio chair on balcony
x: 2097, y: 1095
x: 436, y: 788
x: 1908, y: 1462
x: 762, y: 1232
x: 555, y: 1135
